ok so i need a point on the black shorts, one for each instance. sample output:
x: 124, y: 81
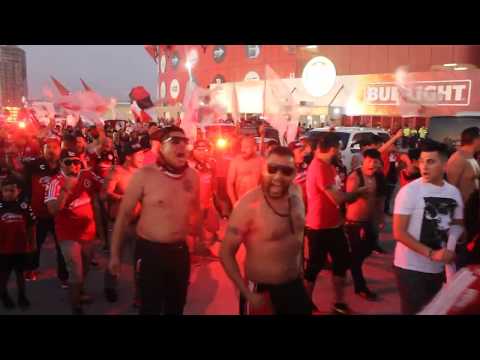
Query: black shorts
x: 324, y: 242
x: 18, y: 262
x: 287, y: 299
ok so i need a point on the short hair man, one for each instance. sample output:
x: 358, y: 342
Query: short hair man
x: 269, y: 221
x: 427, y: 223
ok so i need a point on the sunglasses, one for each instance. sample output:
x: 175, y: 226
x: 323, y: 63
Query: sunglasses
x: 69, y: 162
x: 176, y: 140
x: 285, y: 170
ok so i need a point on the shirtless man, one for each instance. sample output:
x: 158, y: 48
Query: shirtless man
x: 463, y: 171
x: 114, y: 189
x: 269, y: 221
x: 169, y: 195
x: 245, y: 171
x: 363, y: 217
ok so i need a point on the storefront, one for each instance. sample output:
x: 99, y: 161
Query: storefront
x: 374, y: 100
x: 267, y: 80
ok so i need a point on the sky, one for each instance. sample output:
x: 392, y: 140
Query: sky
x: 111, y: 70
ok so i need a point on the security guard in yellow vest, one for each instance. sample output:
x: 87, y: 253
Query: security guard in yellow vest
x: 422, y: 132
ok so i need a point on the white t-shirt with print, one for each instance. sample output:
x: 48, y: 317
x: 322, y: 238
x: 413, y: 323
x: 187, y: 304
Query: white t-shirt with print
x: 431, y: 209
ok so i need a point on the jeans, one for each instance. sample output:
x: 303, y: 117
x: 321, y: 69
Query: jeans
x: 416, y: 289
x: 362, y: 239
x: 45, y: 226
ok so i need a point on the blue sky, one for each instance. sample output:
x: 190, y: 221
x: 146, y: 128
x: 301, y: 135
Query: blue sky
x: 112, y: 70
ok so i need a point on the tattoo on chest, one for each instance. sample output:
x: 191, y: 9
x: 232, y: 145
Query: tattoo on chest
x: 187, y: 185
x: 233, y: 231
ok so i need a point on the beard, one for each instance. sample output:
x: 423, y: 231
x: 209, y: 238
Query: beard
x: 267, y: 189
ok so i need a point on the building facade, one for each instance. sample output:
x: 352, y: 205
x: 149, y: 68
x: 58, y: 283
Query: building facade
x: 13, y: 76
x: 362, y: 92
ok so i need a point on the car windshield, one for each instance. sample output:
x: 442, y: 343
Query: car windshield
x: 344, y: 137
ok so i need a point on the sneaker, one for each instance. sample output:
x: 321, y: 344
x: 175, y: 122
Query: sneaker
x: 136, y: 303
x: 86, y: 299
x: 111, y: 295
x: 379, y: 250
x: 7, y: 301
x: 23, y: 302
x: 341, y: 309
x: 94, y: 262
x: 78, y: 310
x: 367, y: 294
x: 31, y: 276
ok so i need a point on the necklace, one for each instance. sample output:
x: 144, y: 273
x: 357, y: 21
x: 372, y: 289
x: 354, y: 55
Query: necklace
x: 289, y: 214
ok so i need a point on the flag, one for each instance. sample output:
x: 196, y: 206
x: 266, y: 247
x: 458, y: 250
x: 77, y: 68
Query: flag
x: 152, y: 50
x: 85, y: 86
x: 281, y: 105
x: 61, y: 89
x: 141, y: 97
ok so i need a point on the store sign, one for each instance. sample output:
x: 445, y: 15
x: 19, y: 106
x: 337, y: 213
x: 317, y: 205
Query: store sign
x: 252, y: 75
x: 219, y: 52
x: 174, y: 89
x: 175, y: 60
x: 444, y: 93
x: 163, y: 64
x: 163, y: 90
x: 253, y: 51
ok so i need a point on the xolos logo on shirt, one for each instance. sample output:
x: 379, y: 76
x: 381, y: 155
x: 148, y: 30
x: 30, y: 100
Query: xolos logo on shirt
x: 444, y: 93
x: 10, y: 217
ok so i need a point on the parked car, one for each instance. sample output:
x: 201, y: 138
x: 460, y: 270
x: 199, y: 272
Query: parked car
x: 349, y: 138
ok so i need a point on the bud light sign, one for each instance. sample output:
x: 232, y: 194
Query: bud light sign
x: 444, y: 93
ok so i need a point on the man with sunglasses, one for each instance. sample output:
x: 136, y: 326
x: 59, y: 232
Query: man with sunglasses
x: 269, y: 221
x: 170, y: 198
x: 69, y: 199
x: 324, y: 219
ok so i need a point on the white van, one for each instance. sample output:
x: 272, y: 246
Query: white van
x: 349, y: 137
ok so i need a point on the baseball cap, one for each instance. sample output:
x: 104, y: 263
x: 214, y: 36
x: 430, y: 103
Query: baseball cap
x: 131, y: 148
x: 162, y: 133
x: 295, y: 145
x: 69, y: 154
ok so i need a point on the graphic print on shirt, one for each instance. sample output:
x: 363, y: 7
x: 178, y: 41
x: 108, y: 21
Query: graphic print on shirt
x: 437, y: 216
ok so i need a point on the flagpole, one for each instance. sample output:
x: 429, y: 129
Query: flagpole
x: 158, y: 72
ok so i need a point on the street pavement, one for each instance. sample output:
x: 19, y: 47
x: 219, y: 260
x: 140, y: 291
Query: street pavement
x: 210, y: 291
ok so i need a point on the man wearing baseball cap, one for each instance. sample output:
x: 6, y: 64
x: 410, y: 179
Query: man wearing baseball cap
x: 170, y: 197
x: 69, y: 200
x: 37, y: 175
x: 131, y: 159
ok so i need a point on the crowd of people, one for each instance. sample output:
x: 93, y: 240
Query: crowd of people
x: 146, y: 189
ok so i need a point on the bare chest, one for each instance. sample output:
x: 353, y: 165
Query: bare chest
x: 163, y: 192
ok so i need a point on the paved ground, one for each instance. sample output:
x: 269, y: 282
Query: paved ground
x: 210, y: 292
